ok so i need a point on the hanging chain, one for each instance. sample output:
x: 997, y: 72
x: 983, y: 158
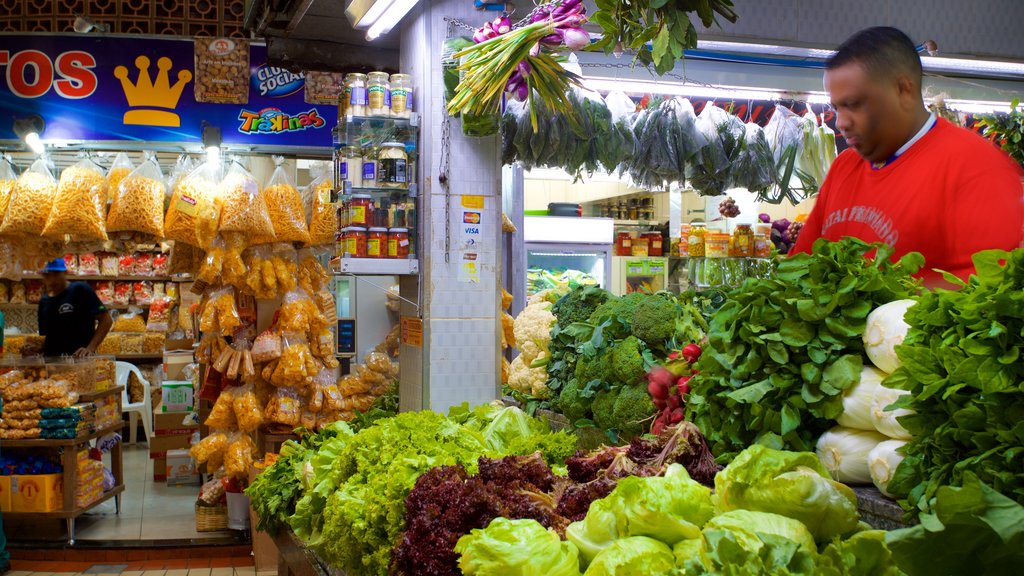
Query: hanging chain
x: 446, y: 163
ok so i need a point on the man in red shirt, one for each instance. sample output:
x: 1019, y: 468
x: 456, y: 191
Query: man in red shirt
x: 911, y: 180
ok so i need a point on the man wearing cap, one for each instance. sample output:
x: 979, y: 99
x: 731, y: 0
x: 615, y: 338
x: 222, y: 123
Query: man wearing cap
x: 71, y: 316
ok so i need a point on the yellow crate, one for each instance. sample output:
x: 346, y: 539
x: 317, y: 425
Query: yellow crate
x: 37, y: 492
x: 5, y: 494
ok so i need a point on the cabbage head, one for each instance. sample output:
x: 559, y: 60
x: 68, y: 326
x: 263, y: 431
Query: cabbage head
x: 748, y: 526
x: 635, y: 556
x: 516, y: 548
x: 792, y: 484
x: 728, y: 552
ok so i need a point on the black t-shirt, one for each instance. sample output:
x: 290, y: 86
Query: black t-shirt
x: 68, y: 320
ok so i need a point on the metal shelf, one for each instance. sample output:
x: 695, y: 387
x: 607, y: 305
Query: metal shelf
x: 375, y: 266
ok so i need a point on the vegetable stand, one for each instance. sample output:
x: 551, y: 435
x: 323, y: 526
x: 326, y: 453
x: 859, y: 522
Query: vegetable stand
x: 69, y: 511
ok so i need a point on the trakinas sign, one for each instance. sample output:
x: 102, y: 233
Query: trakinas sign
x: 96, y: 88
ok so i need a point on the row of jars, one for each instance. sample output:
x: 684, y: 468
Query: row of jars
x: 376, y: 95
x: 362, y: 211
x: 387, y: 166
x: 356, y: 242
x: 633, y: 209
x: 644, y: 244
x: 742, y: 243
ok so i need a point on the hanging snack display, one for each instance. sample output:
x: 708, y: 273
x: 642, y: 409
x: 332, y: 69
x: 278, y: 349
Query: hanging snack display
x: 138, y: 201
x: 120, y: 168
x: 284, y: 203
x: 30, y: 203
x: 323, y: 224
x: 244, y: 207
x: 194, y: 212
x: 79, y: 209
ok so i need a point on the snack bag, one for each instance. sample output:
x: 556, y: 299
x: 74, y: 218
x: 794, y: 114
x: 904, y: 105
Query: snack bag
x: 284, y: 204
x: 8, y: 179
x: 143, y: 264
x: 248, y: 412
x: 222, y: 415
x: 161, y: 264
x: 138, y: 201
x: 119, y: 169
x: 298, y: 313
x: 130, y: 321
x: 210, y: 450
x: 238, y: 457
x: 297, y: 366
x: 313, y: 277
x: 267, y: 347
x: 285, y: 407
x: 31, y: 201
x: 79, y: 209
x: 108, y: 264
x: 220, y: 313
x: 159, y: 314
x: 122, y: 293
x: 323, y: 221
x: 245, y: 210
x: 143, y: 293
x: 194, y: 211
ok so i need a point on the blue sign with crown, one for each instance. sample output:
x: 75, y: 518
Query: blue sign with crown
x: 116, y: 88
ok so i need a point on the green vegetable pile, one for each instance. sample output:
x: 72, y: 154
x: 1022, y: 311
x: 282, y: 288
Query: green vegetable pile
x: 598, y: 363
x: 961, y: 362
x: 772, y: 513
x: 782, y: 350
x: 354, y: 486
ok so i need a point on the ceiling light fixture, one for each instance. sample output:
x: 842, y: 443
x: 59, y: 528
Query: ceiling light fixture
x: 29, y: 129
x: 211, y: 141
x: 84, y: 25
x: 678, y: 89
x: 377, y: 17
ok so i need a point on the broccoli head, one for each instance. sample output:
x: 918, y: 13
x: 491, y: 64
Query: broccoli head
x: 632, y: 411
x: 571, y: 402
x: 589, y: 368
x: 604, y: 409
x: 579, y: 304
x: 628, y: 360
x: 620, y: 311
x: 654, y: 320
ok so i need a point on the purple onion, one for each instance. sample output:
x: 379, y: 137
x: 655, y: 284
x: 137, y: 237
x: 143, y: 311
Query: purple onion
x: 535, y: 51
x: 524, y: 68
x: 764, y: 218
x: 575, y: 38
x: 552, y: 40
x: 502, y: 25
x: 523, y: 92
x: 539, y: 15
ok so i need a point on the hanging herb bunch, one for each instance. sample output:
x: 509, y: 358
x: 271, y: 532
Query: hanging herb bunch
x: 1007, y: 130
x: 523, y: 62
x: 666, y: 24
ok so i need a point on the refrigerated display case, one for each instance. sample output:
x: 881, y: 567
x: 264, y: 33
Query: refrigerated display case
x: 639, y: 274
x: 564, y: 249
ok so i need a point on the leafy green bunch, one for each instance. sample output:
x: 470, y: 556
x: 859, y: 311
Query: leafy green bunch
x: 961, y: 362
x: 782, y: 350
x: 1008, y: 131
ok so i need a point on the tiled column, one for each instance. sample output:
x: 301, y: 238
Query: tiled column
x: 461, y: 328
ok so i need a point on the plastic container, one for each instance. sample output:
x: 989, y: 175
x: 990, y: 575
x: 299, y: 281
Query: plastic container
x: 623, y: 244
x: 369, y: 167
x: 401, y: 95
x: 238, y: 511
x: 640, y: 247
x: 398, y: 243
x: 695, y: 240
x: 376, y: 243
x: 655, y: 244
x: 352, y: 166
x: 360, y: 210
x: 742, y: 241
x: 378, y: 88
x: 394, y: 168
x: 355, y: 88
x: 354, y: 241
x: 762, y: 246
x: 716, y: 245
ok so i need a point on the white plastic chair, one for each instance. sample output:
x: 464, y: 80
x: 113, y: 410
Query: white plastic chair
x: 144, y: 408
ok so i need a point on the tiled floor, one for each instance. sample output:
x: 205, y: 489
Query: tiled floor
x: 149, y: 510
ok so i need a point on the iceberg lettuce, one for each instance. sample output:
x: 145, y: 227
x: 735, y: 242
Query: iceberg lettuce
x: 635, y: 556
x: 516, y: 548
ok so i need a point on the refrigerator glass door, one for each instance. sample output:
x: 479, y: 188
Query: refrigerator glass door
x: 548, y: 266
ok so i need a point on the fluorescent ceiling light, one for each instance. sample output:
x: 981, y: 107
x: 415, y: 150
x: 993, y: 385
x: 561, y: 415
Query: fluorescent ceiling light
x: 977, y: 106
x: 767, y: 49
x: 213, y: 154
x: 678, y: 89
x: 389, y: 18
x: 941, y: 63
x: 34, y: 143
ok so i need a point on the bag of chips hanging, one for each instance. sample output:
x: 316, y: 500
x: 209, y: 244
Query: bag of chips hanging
x: 8, y: 179
x: 138, y: 202
x: 245, y: 210
x: 119, y: 170
x: 31, y: 201
x: 285, y: 206
x: 194, y: 211
x: 323, y: 221
x: 80, y: 208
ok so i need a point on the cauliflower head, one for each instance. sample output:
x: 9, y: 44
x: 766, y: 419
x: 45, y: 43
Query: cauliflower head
x: 531, y: 381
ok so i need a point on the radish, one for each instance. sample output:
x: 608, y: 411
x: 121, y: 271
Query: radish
x: 657, y: 390
x: 675, y: 401
x: 692, y: 353
x: 660, y: 403
x: 677, y: 416
x: 683, y: 385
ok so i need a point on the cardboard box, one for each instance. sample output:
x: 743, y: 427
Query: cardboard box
x: 172, y: 424
x: 159, y: 468
x: 176, y: 396
x: 160, y: 445
x: 5, y: 494
x: 175, y: 362
x: 37, y: 492
x: 181, y: 470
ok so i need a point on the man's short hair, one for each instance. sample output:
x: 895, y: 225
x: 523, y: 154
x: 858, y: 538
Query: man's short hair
x: 883, y: 51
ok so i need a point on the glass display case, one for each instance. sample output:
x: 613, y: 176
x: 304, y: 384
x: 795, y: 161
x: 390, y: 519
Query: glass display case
x: 639, y: 274
x: 562, y: 250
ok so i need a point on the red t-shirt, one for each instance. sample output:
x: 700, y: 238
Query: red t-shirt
x: 948, y: 196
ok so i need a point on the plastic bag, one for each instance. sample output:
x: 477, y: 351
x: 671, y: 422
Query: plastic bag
x: 220, y: 313
x: 79, y: 209
x: 8, y: 179
x: 267, y: 347
x: 297, y: 366
x: 313, y: 277
x: 210, y: 450
x: 284, y: 203
x: 238, y: 457
x: 130, y: 321
x: 271, y: 270
x: 222, y: 415
x: 248, y: 412
x: 194, y: 212
x: 323, y: 223
x: 159, y: 319
x: 31, y: 201
x: 284, y: 407
x: 754, y: 167
x: 298, y: 313
x: 709, y: 174
x: 621, y: 106
x: 138, y: 203
x: 119, y: 170
x: 245, y: 210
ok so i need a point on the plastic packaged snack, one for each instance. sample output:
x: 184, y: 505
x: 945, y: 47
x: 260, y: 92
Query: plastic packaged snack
x: 299, y: 314
x: 159, y: 314
x: 323, y: 223
x: 238, y: 457
x: 133, y: 343
x: 210, y: 450
x: 108, y: 264
x: 122, y: 293
x: 71, y: 262
x: 322, y: 346
x: 248, y: 412
x: 297, y: 366
x: 222, y: 415
x: 220, y: 313
x: 313, y: 277
x: 29, y: 207
x: 195, y: 206
x: 33, y: 291
x: 130, y: 321
x: 138, y: 203
x: 79, y: 209
x: 284, y: 203
x: 126, y: 265
x: 119, y: 169
x: 244, y: 208
x: 8, y: 179
x: 267, y: 347
x: 153, y: 342
x: 105, y: 292
x: 285, y: 407
x: 160, y: 264
x: 143, y: 293
x: 143, y: 264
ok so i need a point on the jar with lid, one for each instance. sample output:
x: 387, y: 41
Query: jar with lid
x: 695, y: 240
x: 743, y: 241
x: 355, y: 88
x: 344, y: 216
x: 401, y: 95
x: 378, y: 89
x: 655, y: 244
x: 360, y: 210
x: 369, y: 167
x: 716, y: 245
x: 640, y: 247
x: 352, y: 166
x: 623, y: 244
x: 354, y: 240
x: 398, y: 243
x: 376, y: 242
x: 762, y: 246
x: 393, y: 166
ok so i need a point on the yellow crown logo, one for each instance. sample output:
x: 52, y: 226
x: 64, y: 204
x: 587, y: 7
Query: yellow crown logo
x: 147, y: 97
